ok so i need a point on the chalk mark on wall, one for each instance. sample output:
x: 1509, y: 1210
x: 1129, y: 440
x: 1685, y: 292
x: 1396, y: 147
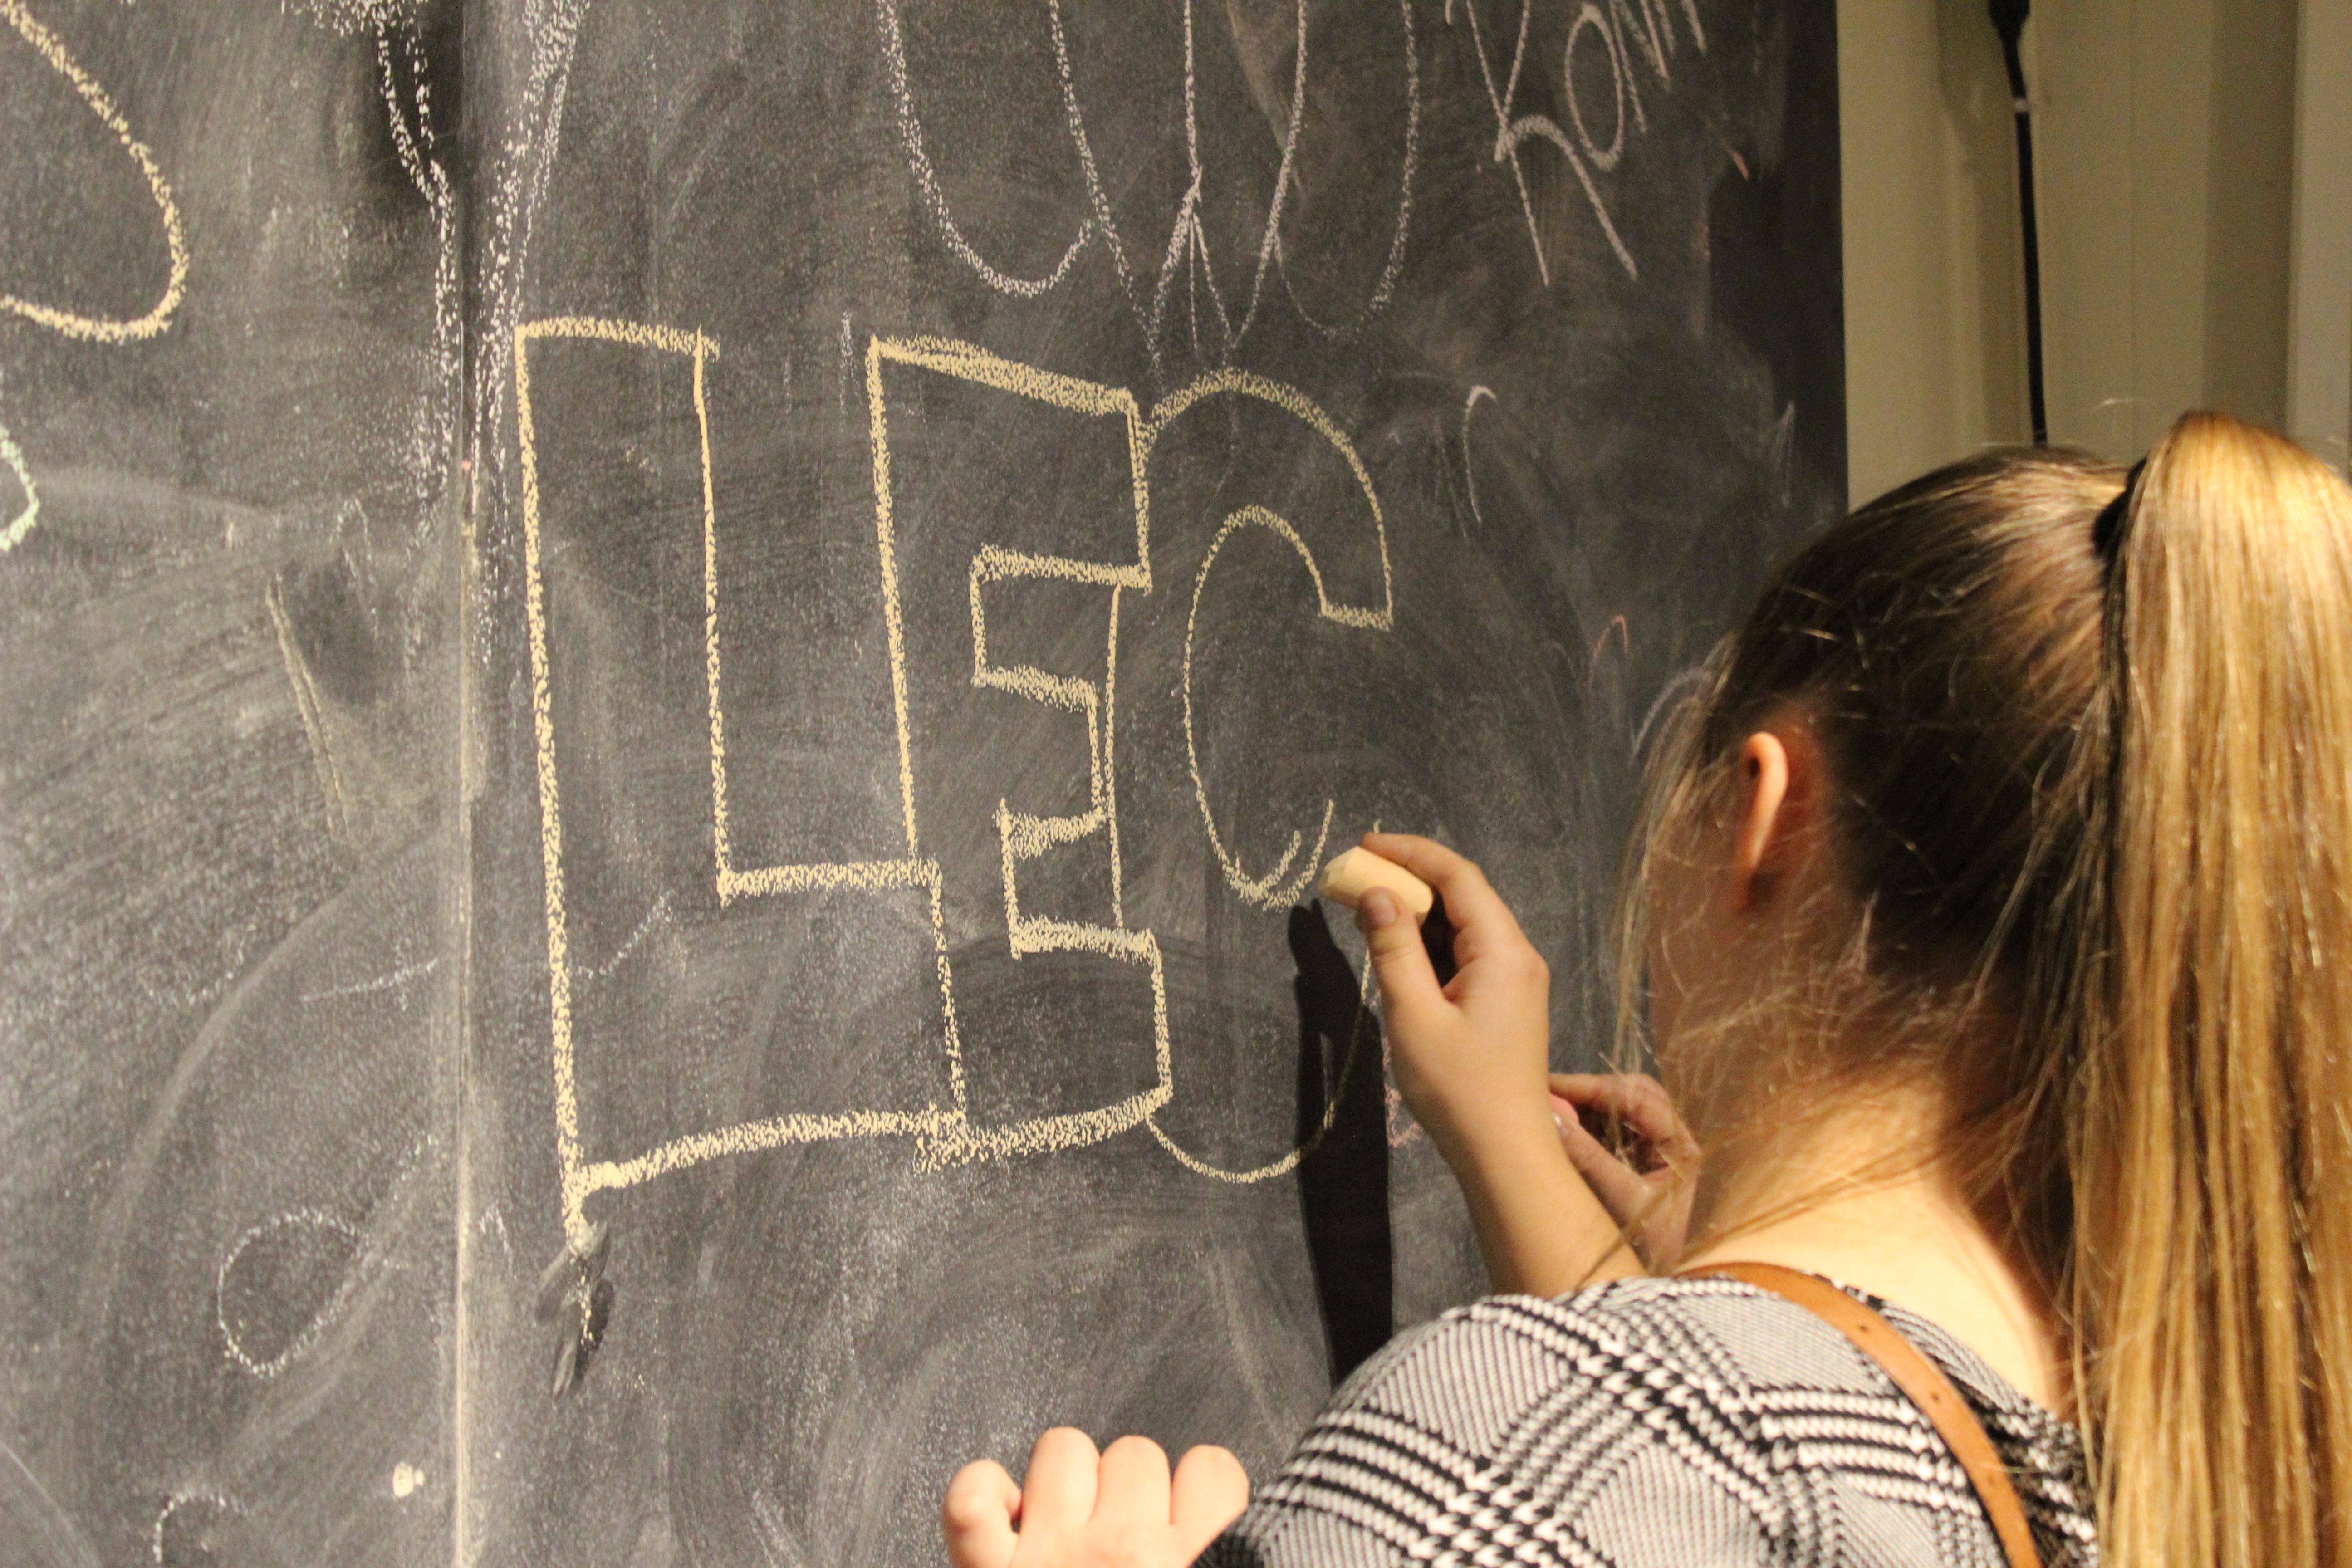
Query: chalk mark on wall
x: 301, y: 1342
x: 944, y: 1134
x: 1650, y: 26
x: 434, y: 426
x: 12, y: 533
x: 910, y: 127
x: 1267, y: 891
x: 396, y: 980
x: 580, y: 1175
x: 311, y: 709
x: 73, y: 323
x: 654, y: 915
x: 1469, y: 470
x: 1021, y: 837
x: 189, y: 1497
x: 524, y: 157
x: 1187, y: 247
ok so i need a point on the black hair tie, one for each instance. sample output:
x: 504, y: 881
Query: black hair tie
x: 2107, y: 532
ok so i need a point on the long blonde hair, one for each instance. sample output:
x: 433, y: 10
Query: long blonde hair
x: 2091, y: 738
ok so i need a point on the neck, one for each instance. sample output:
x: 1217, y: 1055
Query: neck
x: 1855, y: 1199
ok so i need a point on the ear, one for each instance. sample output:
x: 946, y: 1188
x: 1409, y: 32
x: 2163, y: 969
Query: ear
x: 1765, y: 815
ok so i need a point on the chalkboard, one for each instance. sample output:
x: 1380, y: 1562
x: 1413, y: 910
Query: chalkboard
x: 677, y: 673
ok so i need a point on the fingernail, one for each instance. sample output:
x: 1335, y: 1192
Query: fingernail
x: 1379, y: 910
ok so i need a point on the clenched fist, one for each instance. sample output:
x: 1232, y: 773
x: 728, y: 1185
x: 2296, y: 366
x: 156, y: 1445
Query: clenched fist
x: 1119, y: 1508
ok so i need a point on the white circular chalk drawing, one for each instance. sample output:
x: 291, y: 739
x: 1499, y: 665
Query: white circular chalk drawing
x: 238, y: 1334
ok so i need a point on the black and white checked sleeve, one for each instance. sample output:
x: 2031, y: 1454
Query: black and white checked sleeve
x: 1649, y: 1423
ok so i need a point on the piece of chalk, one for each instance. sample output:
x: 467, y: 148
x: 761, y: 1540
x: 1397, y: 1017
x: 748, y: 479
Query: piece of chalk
x: 1347, y: 879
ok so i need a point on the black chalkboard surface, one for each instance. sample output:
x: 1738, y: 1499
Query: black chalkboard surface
x: 676, y: 674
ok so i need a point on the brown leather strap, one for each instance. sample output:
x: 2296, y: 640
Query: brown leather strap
x: 1921, y: 1380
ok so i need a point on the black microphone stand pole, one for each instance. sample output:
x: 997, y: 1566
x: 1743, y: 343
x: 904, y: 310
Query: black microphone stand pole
x: 2009, y: 21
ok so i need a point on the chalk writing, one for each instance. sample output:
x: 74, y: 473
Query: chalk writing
x: 1269, y: 891
x: 1023, y: 838
x: 582, y: 1176
x: 1283, y: 1164
x: 910, y: 127
x: 1650, y: 26
x: 1187, y: 250
x: 73, y: 323
x: 944, y: 1133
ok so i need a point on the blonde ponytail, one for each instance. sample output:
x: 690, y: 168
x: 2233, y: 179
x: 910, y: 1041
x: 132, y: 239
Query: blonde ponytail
x: 2211, y: 1147
x: 2092, y: 747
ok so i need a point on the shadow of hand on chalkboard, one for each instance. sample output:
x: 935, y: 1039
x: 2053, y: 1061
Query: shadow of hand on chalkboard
x: 1343, y: 1184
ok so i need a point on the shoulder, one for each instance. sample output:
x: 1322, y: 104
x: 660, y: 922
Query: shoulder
x: 1704, y: 1353
x: 1688, y: 1350
x: 2046, y: 1454
x: 1650, y: 1421
x: 1630, y: 1423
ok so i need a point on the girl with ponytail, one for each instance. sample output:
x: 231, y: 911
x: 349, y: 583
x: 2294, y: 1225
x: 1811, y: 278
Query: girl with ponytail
x: 1990, y: 929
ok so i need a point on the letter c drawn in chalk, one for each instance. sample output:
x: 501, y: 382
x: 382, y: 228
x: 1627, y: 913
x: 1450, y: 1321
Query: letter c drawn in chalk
x: 1269, y: 891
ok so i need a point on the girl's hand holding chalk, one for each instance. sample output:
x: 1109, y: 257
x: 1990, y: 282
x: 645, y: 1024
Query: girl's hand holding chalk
x: 1473, y: 1059
x: 1349, y: 877
x: 1471, y: 1056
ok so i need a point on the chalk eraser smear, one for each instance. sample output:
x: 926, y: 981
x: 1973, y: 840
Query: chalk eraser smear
x: 1347, y: 879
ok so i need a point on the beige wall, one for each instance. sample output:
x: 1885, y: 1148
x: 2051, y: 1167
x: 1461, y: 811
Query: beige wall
x: 2319, y: 306
x: 2170, y: 127
x: 1934, y: 289
x: 2164, y: 141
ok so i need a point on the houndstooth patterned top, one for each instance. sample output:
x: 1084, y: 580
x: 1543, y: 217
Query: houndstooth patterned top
x: 1654, y: 1424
